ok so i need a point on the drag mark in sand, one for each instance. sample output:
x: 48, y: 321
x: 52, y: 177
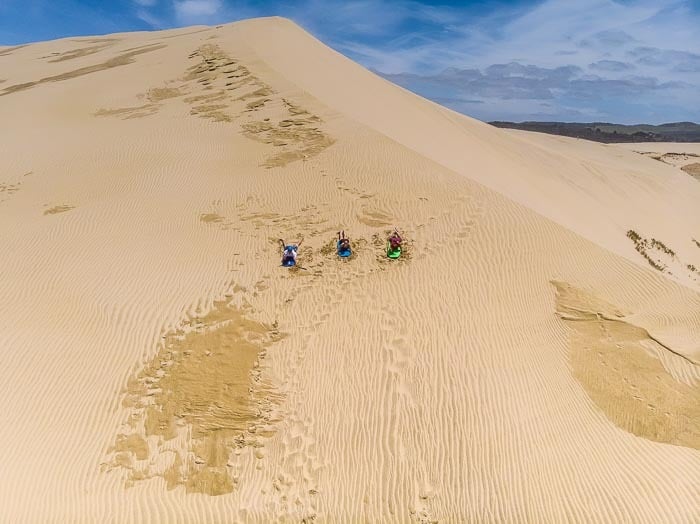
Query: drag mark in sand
x: 117, y: 61
x: 198, y: 403
x: 210, y: 218
x: 615, y: 363
x: 7, y: 189
x: 10, y: 50
x: 130, y: 112
x: 81, y: 52
x: 154, y: 96
x: 58, y: 209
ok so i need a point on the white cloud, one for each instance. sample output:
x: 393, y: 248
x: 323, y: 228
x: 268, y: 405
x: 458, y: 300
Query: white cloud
x: 150, y: 19
x: 146, y: 3
x: 196, y: 11
x: 657, y: 41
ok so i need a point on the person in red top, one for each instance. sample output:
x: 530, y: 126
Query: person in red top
x: 395, y: 240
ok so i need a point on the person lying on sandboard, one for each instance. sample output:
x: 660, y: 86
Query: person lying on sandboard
x: 289, y: 253
x: 343, y: 245
x: 393, y: 245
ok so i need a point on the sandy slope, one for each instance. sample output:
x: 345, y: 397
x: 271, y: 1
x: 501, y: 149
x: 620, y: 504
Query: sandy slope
x: 685, y: 156
x: 525, y: 362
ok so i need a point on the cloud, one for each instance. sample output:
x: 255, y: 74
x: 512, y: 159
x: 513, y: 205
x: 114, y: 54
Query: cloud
x: 515, y: 81
x: 607, y: 39
x: 152, y: 20
x: 517, y: 60
x: 611, y: 65
x: 146, y: 3
x: 196, y: 11
x: 678, y: 61
x: 613, y: 37
x: 556, y: 92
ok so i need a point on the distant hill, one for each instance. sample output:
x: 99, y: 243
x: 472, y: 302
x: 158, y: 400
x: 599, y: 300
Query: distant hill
x: 610, y: 133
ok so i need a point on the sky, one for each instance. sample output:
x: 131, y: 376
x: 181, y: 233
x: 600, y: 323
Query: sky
x: 623, y: 61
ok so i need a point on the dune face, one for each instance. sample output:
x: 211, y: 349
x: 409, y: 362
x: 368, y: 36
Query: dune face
x: 620, y: 366
x: 533, y: 356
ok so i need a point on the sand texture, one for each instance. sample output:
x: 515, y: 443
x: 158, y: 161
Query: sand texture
x: 533, y: 356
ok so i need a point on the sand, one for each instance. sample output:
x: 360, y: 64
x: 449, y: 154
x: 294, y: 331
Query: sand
x: 533, y: 356
x: 686, y: 156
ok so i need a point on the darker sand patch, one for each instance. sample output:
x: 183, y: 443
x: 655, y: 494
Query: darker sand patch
x: 135, y: 444
x: 292, y: 129
x: 117, y: 61
x: 211, y: 218
x: 298, y: 139
x: 9, y: 189
x: 374, y: 217
x: 212, y: 111
x: 58, y: 209
x: 672, y: 159
x: 203, y: 387
x: 208, y: 75
x: 163, y: 93
x: 693, y: 170
x: 288, y: 127
x: 154, y: 96
x: 611, y: 359
x: 130, y: 112
x: 10, y: 50
x: 80, y: 52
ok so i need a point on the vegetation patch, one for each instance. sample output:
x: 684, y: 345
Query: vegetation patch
x: 659, y: 255
x: 645, y: 247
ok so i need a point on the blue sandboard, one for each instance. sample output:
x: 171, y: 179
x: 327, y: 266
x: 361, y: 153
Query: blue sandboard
x: 289, y: 262
x: 344, y: 252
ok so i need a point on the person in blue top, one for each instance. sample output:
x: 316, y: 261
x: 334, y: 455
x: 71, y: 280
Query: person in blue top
x: 289, y: 252
x: 343, y: 244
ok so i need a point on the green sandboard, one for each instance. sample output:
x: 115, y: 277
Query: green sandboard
x: 393, y: 253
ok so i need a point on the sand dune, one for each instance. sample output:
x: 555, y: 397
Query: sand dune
x: 533, y: 357
x: 684, y: 156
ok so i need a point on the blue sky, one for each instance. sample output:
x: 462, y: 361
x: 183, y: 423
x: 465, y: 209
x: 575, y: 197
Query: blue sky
x: 624, y: 61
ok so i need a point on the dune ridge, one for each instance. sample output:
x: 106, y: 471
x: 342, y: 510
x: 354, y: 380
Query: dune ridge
x: 456, y: 385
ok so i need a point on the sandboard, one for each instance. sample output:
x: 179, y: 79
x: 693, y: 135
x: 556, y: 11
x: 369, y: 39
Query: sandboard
x: 393, y: 253
x: 344, y: 253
